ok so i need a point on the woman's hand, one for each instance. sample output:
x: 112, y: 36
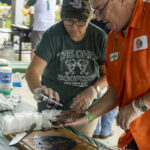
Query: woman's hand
x: 84, y: 99
x: 47, y: 91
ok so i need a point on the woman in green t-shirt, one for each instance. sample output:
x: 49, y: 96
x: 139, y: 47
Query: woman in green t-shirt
x: 70, y: 60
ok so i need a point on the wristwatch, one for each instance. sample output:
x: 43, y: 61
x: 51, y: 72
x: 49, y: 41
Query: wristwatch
x: 142, y: 106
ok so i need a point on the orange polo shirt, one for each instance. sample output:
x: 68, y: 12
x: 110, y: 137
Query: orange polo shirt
x: 130, y: 74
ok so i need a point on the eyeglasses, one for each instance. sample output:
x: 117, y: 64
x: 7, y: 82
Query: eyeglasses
x: 100, y: 13
x: 68, y: 22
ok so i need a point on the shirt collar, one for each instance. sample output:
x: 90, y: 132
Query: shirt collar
x: 137, y: 14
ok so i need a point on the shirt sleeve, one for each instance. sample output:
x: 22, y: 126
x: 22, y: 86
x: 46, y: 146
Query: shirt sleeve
x: 102, y: 48
x: 31, y: 2
x: 44, y: 49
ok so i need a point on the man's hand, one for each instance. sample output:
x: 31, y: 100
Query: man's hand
x: 47, y: 91
x: 125, y: 116
x: 69, y: 118
x: 84, y: 100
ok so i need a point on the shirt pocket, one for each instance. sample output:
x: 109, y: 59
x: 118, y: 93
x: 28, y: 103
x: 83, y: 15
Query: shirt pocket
x: 114, y: 73
x: 140, y: 64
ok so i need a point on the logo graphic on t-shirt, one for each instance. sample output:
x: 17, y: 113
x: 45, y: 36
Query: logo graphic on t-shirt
x: 76, y: 67
x: 71, y: 64
x: 81, y: 64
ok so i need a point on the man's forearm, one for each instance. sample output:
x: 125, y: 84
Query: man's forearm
x: 106, y: 104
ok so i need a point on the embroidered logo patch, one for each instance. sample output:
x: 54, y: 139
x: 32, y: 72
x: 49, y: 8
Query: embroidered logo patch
x: 140, y: 43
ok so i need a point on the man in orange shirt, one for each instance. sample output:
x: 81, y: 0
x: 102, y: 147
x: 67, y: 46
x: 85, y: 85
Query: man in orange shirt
x: 128, y: 72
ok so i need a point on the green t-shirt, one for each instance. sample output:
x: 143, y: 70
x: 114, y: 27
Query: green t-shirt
x: 71, y: 66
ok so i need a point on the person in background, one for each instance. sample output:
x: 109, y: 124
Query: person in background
x: 7, y: 13
x: 104, y: 124
x: 44, y: 17
x: 71, y: 59
x: 127, y: 70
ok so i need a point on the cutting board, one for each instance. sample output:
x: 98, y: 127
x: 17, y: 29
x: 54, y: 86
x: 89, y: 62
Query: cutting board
x: 60, y: 139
